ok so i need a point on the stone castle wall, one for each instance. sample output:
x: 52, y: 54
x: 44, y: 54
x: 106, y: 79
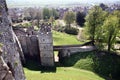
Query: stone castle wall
x: 11, y: 53
x: 29, y: 45
x: 5, y: 73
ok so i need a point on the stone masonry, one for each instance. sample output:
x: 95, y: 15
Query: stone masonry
x: 5, y: 73
x: 46, y: 45
x: 10, y: 50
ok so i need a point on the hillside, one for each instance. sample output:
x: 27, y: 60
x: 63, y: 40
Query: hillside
x: 64, y: 39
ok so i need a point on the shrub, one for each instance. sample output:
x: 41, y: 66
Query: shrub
x: 27, y: 24
x: 71, y: 30
x: 103, y: 63
x: 27, y: 18
x: 107, y: 64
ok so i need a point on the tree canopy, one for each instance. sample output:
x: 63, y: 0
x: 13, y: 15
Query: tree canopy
x: 94, y: 21
x: 111, y: 29
x: 69, y: 17
x: 80, y: 18
x: 46, y: 13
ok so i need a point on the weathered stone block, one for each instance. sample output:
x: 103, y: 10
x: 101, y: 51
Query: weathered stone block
x: 46, y: 47
x: 45, y: 38
x: 47, y: 61
x: 3, y: 74
x: 8, y: 76
x: 46, y: 53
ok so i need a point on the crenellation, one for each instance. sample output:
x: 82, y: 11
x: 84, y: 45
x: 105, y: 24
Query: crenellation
x: 45, y: 28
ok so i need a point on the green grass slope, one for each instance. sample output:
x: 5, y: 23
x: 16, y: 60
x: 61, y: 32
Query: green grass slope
x: 62, y: 73
x: 80, y: 61
x: 64, y: 39
x: 105, y: 64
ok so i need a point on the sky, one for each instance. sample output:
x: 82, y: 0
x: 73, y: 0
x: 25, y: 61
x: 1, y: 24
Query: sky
x: 23, y: 2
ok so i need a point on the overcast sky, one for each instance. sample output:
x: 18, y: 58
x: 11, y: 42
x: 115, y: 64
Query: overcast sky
x: 59, y: 1
x: 14, y: 3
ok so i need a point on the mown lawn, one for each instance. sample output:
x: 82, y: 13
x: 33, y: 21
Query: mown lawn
x: 62, y: 73
x: 64, y: 39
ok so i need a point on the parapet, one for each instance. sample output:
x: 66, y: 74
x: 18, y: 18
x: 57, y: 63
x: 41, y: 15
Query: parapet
x: 45, y: 28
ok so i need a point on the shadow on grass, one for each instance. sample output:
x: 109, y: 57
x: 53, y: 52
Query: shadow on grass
x: 73, y: 59
x: 34, y: 65
x: 104, y: 64
x: 101, y: 63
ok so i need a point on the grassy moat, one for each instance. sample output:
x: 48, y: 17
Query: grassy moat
x: 33, y: 71
x: 82, y: 66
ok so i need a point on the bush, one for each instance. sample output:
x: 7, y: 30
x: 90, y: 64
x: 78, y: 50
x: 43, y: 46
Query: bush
x: 27, y: 24
x: 27, y: 18
x: 80, y: 60
x: 103, y: 63
x: 71, y: 30
x: 107, y: 64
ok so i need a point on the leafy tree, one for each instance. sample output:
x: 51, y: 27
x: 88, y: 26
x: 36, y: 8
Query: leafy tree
x: 29, y: 13
x: 69, y: 18
x: 103, y: 6
x: 32, y: 13
x: 38, y: 16
x: 94, y: 21
x: 111, y: 29
x: 117, y: 13
x: 54, y: 13
x: 46, y: 13
x: 80, y: 18
x: 51, y: 20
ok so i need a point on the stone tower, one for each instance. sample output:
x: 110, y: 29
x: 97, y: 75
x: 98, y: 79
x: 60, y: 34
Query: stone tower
x: 46, y: 45
x: 7, y: 38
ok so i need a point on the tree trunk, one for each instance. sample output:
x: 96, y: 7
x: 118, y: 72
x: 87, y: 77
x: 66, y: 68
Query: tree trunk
x: 93, y: 36
x: 10, y: 53
x: 38, y: 23
x: 69, y: 25
x: 109, y: 43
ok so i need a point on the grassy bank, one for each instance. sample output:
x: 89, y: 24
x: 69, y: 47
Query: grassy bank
x: 62, y: 73
x: 102, y: 63
x: 64, y: 39
x: 33, y: 71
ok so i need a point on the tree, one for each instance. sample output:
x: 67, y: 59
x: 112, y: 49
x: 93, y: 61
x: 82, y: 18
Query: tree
x: 111, y: 29
x: 29, y: 13
x: 94, y: 21
x: 51, y: 20
x: 117, y: 13
x: 103, y: 6
x: 38, y: 16
x: 54, y: 13
x: 80, y: 18
x: 46, y: 13
x: 69, y: 18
